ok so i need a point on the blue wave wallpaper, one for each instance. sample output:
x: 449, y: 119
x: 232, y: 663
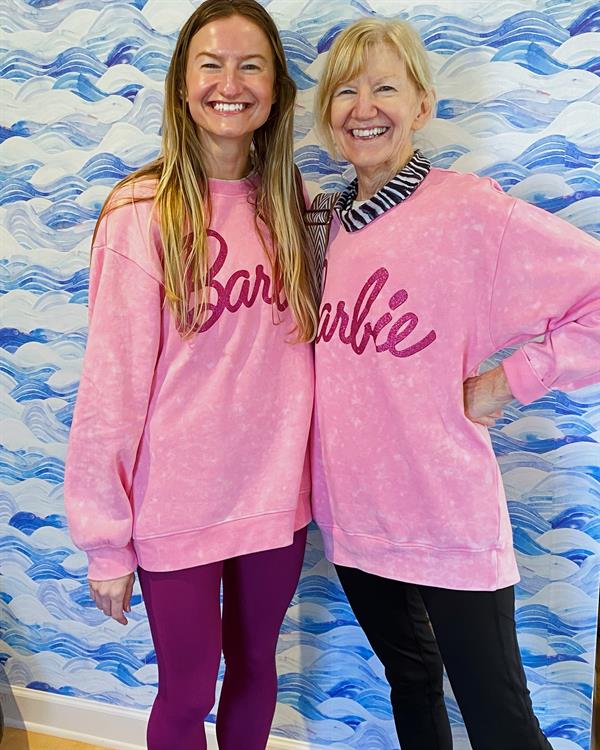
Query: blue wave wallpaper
x: 81, y: 84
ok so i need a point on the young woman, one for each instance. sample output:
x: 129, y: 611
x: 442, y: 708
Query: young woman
x: 427, y: 274
x: 187, y: 459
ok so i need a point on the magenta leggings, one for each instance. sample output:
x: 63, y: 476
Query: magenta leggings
x: 188, y: 633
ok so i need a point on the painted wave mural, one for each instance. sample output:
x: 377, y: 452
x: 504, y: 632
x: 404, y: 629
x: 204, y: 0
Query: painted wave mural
x: 81, y: 81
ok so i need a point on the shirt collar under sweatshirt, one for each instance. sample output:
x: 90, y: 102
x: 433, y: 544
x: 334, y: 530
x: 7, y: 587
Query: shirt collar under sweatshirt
x: 403, y: 184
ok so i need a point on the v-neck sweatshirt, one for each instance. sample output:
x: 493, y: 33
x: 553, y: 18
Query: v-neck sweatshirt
x: 404, y: 485
x: 187, y: 451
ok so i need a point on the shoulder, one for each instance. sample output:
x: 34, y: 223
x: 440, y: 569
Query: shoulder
x: 128, y: 225
x: 474, y: 196
x: 137, y: 191
x: 469, y: 182
x: 483, y: 204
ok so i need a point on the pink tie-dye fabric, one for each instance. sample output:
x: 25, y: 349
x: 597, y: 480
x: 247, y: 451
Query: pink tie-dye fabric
x: 184, y: 452
x: 404, y: 485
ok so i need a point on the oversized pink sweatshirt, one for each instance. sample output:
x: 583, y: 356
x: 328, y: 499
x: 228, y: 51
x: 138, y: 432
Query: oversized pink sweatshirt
x: 184, y: 452
x: 404, y: 485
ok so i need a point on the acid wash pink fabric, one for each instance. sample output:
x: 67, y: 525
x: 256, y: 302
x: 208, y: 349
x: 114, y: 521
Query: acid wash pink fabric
x: 404, y: 485
x: 185, y: 452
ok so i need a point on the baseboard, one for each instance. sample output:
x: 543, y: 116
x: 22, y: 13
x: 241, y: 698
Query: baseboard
x: 74, y: 718
x: 89, y: 721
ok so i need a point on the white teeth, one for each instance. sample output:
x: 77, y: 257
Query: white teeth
x: 225, y: 107
x: 367, y: 132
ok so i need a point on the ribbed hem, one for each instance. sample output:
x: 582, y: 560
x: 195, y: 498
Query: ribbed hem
x: 459, y: 569
x: 241, y: 536
x: 522, y: 378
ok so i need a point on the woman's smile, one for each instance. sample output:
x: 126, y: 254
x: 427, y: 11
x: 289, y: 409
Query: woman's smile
x: 230, y: 77
x: 374, y: 115
x: 368, y: 134
x: 229, y: 108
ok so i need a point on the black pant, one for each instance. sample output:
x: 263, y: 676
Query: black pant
x: 475, y: 639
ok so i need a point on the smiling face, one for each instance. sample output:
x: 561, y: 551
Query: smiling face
x: 373, y: 117
x: 230, y: 77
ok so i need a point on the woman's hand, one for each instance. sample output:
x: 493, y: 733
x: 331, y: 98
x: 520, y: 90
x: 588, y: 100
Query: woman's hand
x: 485, y: 396
x: 113, y: 597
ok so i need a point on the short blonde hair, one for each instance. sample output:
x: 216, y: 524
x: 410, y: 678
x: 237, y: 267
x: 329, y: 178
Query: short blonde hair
x: 347, y: 58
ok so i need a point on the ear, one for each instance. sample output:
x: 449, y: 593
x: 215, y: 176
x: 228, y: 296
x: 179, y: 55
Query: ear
x: 426, y: 105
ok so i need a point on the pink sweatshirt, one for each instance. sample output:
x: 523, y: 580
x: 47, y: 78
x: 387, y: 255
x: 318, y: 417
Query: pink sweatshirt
x: 404, y: 485
x: 184, y: 452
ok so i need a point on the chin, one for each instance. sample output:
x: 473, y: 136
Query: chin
x: 372, y: 163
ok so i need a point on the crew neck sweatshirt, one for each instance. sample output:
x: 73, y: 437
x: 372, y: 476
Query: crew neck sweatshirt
x: 187, y: 451
x: 404, y: 485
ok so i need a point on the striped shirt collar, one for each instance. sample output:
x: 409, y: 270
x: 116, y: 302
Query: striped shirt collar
x: 391, y: 194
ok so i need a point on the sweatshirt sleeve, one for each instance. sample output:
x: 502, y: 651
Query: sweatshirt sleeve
x: 547, y: 287
x: 110, y: 413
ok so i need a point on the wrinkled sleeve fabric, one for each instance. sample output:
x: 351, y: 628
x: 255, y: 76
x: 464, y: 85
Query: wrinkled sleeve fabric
x: 112, y: 403
x: 546, y: 287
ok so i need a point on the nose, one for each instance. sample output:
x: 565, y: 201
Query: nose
x: 364, y: 105
x: 230, y: 84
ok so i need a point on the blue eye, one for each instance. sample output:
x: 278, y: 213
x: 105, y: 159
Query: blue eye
x: 386, y: 87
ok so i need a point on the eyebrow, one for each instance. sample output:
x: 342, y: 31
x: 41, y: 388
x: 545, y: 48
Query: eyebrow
x: 377, y: 81
x: 216, y: 56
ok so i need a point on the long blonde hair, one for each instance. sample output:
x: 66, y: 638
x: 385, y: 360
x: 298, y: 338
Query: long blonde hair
x: 182, y: 199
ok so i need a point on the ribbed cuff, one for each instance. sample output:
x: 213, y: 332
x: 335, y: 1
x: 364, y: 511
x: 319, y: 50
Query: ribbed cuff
x: 522, y: 378
x: 106, y: 563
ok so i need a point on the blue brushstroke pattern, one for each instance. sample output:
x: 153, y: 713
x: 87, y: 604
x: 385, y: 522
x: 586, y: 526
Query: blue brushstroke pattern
x: 57, y: 168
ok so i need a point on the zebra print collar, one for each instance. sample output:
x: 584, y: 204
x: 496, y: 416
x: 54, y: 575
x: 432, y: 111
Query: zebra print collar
x: 391, y: 194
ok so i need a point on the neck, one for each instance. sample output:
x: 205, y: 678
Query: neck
x: 226, y: 159
x: 372, y: 179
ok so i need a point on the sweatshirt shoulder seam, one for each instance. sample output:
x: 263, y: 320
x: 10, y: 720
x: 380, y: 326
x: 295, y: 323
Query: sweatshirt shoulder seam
x: 495, y: 276
x: 104, y: 246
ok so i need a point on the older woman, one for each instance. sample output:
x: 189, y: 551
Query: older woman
x: 429, y: 272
